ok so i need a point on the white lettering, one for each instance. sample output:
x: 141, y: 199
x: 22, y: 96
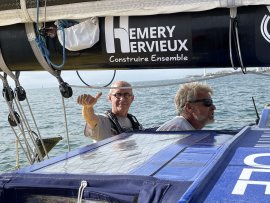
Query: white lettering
x: 250, y: 160
x: 150, y: 46
x: 142, y: 34
x: 161, y: 32
x: 182, y: 45
x: 163, y: 45
x: 170, y: 30
x: 241, y: 185
x: 133, y: 47
x: 246, y: 172
x: 141, y: 46
x: 244, y: 178
x: 129, y: 38
x: 170, y: 48
x: 153, y: 32
x: 158, y: 46
x: 128, y: 59
x: 177, y: 57
x: 132, y: 33
x: 122, y: 33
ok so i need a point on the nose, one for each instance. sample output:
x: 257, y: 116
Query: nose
x: 213, y: 107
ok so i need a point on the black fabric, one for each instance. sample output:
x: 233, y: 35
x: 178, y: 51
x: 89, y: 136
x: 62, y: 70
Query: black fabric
x: 116, y: 126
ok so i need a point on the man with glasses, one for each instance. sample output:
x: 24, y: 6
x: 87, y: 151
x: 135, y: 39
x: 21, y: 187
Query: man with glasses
x: 113, y: 122
x: 194, y: 107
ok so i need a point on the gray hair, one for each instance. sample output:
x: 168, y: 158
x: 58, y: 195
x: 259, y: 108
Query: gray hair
x: 188, y: 92
x: 120, y: 84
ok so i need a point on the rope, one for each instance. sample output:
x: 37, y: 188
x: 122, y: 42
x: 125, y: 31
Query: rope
x: 65, y: 116
x: 43, y: 47
x: 81, y: 189
x: 40, y: 40
x: 22, y: 122
x: 26, y: 152
x: 230, y: 44
x: 186, y: 80
x: 38, y: 132
x: 234, y: 32
x: 26, y: 124
x: 31, y: 35
x: 114, y: 73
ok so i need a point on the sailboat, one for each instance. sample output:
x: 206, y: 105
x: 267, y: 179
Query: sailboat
x: 147, y: 166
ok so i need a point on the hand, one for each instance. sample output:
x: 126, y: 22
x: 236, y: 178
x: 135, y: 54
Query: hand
x: 88, y: 100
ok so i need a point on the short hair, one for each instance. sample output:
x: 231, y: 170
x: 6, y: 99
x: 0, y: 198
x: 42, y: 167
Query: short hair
x: 188, y: 92
x: 120, y: 84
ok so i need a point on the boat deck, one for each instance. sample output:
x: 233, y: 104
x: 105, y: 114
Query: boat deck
x: 194, y: 166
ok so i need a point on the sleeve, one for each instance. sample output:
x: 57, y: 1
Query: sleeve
x: 101, y: 131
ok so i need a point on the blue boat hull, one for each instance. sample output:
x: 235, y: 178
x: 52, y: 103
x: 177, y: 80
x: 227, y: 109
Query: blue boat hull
x: 192, y: 166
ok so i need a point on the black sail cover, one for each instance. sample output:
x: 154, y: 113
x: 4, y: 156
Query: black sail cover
x: 178, y: 40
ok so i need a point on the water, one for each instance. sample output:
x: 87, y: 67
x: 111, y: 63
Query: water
x: 152, y: 106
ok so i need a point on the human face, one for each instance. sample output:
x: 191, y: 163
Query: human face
x: 203, y: 110
x: 121, y: 100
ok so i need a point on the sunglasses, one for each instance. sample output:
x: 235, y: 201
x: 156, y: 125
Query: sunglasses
x: 125, y: 95
x: 206, y: 102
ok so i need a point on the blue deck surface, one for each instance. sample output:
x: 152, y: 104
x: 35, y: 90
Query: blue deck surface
x: 195, y: 166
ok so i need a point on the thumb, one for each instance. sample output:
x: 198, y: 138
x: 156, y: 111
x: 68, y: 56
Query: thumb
x: 98, y: 95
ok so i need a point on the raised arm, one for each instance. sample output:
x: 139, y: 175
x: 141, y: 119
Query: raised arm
x: 88, y: 102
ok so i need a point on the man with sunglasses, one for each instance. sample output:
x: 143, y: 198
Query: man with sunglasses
x: 194, y: 107
x: 113, y: 122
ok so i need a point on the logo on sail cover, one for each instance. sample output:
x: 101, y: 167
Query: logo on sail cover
x: 146, y: 39
x: 264, y: 25
x: 120, y: 33
x: 135, y: 40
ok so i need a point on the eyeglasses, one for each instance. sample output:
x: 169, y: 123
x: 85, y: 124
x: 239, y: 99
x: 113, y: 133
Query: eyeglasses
x: 206, y: 102
x: 125, y: 95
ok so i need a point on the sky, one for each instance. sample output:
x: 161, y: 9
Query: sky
x: 39, y: 79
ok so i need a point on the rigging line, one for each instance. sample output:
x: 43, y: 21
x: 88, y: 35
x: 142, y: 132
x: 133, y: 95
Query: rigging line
x: 26, y: 154
x: 233, y: 13
x: 26, y: 120
x: 28, y: 129
x: 185, y: 80
x: 114, y: 73
x: 234, y: 32
x: 9, y: 103
x: 17, y: 154
x: 27, y: 145
x: 26, y: 123
x: 230, y: 44
x: 65, y: 116
x: 239, y: 54
x: 38, y: 132
x: 10, y: 107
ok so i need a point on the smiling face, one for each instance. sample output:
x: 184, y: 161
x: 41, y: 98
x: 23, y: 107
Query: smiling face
x: 121, y: 99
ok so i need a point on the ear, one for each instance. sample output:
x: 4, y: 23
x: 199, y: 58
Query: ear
x: 109, y: 97
x: 189, y: 107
